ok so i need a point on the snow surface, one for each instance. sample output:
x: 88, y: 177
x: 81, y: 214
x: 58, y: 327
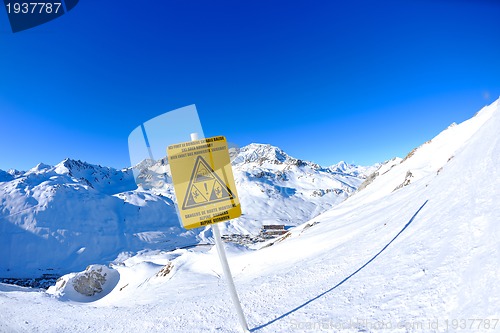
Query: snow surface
x: 389, y: 258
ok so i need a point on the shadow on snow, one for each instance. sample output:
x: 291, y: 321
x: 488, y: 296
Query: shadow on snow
x: 344, y: 280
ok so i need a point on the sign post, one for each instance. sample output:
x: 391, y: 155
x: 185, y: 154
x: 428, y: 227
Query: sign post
x: 206, y: 194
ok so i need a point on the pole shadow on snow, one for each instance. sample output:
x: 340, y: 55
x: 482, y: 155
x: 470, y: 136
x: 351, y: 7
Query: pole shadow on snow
x: 344, y: 280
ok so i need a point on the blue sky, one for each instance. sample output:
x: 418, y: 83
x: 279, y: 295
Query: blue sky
x: 360, y: 81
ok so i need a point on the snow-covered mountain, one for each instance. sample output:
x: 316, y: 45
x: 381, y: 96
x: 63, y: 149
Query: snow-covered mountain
x: 56, y: 219
x: 416, y: 250
x: 279, y: 189
x: 353, y: 169
x: 273, y: 187
x: 68, y: 215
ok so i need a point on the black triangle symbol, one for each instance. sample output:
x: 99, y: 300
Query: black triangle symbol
x: 219, y: 192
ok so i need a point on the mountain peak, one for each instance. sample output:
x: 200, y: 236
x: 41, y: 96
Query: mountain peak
x: 5, y: 176
x: 71, y: 164
x: 268, y: 154
x: 352, y: 169
x: 39, y: 168
x: 340, y: 166
x: 261, y: 153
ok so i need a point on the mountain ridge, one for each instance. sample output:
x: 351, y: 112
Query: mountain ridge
x: 85, y: 213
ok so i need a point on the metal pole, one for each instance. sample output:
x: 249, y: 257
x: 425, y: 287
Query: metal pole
x: 225, y: 268
x: 229, y: 277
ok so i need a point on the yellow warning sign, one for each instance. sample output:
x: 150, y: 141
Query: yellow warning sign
x: 203, y: 182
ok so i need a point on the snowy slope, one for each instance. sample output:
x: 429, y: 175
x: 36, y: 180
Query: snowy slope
x: 422, y: 258
x: 428, y: 159
x: 427, y: 251
x: 57, y: 219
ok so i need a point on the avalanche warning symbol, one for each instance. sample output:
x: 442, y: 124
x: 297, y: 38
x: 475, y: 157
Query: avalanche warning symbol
x: 203, y: 182
x: 205, y: 187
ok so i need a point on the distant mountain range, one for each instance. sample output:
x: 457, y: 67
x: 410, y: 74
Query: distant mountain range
x: 56, y: 219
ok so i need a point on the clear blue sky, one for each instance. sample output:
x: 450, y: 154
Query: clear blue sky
x: 360, y: 81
